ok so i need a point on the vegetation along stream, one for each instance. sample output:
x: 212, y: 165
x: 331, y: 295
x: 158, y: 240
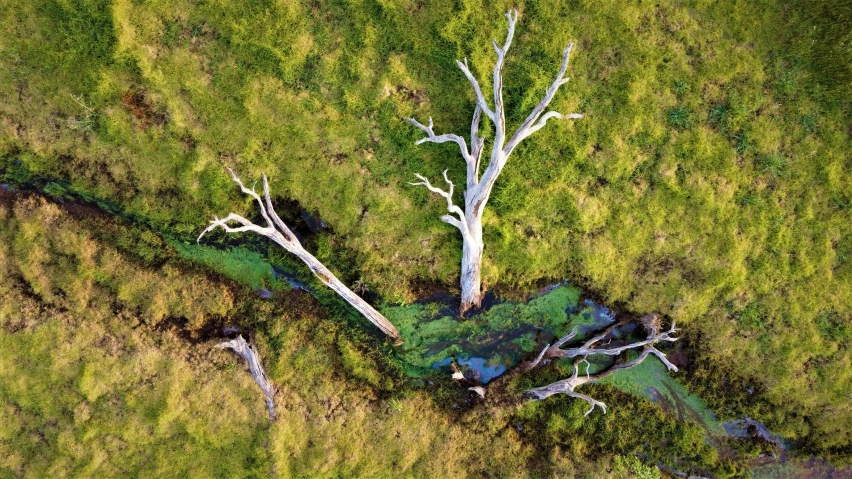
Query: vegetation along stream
x: 484, y: 346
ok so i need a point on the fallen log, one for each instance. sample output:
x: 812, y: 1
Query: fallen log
x: 241, y: 347
x: 278, y: 232
x: 593, y: 347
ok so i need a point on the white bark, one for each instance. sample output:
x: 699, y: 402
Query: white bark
x: 248, y: 353
x: 278, y: 232
x: 478, y: 190
x: 589, y: 348
x: 479, y: 390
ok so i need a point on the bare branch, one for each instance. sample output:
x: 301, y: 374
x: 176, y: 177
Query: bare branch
x: 588, y: 349
x: 223, y: 223
x: 543, y: 120
x: 254, y: 195
x: 480, y: 98
x: 280, y: 224
x: 565, y: 339
x: 461, y: 224
x: 499, y: 112
x: 433, y: 138
x: 532, y: 123
x: 478, y: 390
x: 662, y: 357
x: 558, y: 344
x: 451, y: 220
x: 471, y: 157
x: 598, y: 337
x: 248, y: 353
x: 537, y: 359
x: 474, y: 127
x: 646, y: 351
x: 476, y: 146
x: 498, y: 157
x: 592, y: 402
x: 567, y: 386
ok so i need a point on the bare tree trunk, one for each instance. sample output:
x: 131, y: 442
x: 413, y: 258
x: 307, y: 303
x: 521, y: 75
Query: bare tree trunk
x: 330, y: 280
x: 278, y: 232
x: 471, y: 276
x: 478, y: 190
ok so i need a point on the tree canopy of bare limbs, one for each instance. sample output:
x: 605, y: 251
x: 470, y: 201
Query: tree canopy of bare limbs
x: 278, y: 232
x: 592, y: 347
x: 468, y: 220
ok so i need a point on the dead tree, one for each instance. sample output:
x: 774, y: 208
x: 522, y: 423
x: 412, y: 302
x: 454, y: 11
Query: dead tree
x: 593, y: 347
x: 477, y: 190
x: 241, y: 347
x: 278, y: 232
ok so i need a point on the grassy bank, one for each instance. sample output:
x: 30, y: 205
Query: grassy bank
x: 98, y: 382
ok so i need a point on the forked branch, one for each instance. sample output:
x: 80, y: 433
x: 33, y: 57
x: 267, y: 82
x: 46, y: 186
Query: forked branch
x: 278, y: 232
x: 480, y: 98
x: 458, y: 222
x: 590, y: 348
x: 535, y: 121
x: 433, y: 138
x: 481, y: 189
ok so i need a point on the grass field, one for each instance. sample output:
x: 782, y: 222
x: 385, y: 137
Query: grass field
x: 709, y: 181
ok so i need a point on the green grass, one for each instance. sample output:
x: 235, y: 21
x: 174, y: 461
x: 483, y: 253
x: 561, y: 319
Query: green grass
x: 773, y: 164
x: 679, y: 118
x: 711, y: 167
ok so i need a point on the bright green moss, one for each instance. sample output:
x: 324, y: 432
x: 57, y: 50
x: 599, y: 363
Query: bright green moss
x: 239, y: 264
x: 430, y: 337
x: 651, y: 380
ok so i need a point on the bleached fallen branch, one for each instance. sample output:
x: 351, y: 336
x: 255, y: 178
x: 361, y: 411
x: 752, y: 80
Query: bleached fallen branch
x: 556, y: 351
x: 241, y: 347
x: 590, y: 348
x: 278, y: 232
x: 479, y: 390
x: 479, y: 189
